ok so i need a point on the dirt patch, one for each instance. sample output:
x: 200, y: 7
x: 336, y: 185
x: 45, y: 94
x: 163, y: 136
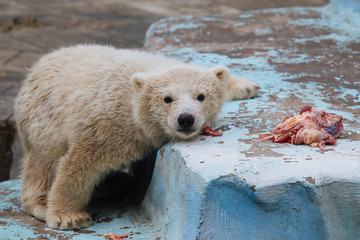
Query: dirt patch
x: 21, y: 22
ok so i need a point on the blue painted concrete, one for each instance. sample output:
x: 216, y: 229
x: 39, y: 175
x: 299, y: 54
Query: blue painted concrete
x: 234, y: 209
x: 16, y: 224
x: 354, y: 5
x: 262, y: 190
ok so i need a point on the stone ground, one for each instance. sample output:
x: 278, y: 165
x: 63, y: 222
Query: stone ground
x: 29, y: 29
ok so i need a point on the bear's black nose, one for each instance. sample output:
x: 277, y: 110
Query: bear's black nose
x: 186, y: 120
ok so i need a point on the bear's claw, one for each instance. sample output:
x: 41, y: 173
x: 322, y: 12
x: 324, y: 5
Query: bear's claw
x: 68, y: 221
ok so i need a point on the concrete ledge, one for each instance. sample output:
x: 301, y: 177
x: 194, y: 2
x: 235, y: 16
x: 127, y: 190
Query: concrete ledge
x: 233, y: 187
x: 209, y: 191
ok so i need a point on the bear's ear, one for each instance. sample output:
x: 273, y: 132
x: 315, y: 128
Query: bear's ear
x: 138, y: 81
x: 222, y: 73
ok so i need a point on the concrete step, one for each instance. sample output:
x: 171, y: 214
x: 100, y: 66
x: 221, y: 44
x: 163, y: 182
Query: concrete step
x: 233, y: 187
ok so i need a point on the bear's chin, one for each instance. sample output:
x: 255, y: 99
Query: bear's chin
x: 187, y: 134
x: 184, y: 134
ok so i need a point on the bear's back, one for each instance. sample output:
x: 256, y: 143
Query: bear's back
x: 74, y: 89
x: 84, y: 66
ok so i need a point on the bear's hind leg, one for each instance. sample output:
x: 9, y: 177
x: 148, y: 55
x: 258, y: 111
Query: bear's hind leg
x: 37, y: 175
x: 77, y: 174
x: 241, y: 88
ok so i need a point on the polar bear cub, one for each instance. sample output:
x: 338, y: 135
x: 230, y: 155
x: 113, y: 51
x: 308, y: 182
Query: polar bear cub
x: 86, y: 110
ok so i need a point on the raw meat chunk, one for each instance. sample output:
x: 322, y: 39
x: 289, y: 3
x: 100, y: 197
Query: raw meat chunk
x: 313, y: 127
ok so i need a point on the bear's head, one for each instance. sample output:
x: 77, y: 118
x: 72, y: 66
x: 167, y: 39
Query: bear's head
x: 180, y: 101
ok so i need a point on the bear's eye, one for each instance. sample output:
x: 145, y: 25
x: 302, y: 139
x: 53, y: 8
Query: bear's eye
x: 201, y: 97
x: 168, y: 100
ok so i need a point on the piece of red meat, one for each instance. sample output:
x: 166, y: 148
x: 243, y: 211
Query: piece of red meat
x: 313, y: 127
x: 114, y: 236
x: 207, y: 131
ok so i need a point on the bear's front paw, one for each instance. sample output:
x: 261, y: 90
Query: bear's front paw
x: 252, y: 90
x: 241, y: 88
x: 68, y: 221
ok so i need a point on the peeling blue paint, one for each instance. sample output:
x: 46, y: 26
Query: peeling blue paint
x: 234, y: 209
x: 261, y: 72
x: 15, y: 229
x: 16, y: 224
x: 194, y: 201
x: 263, y: 31
x: 246, y: 15
x: 187, y: 25
x: 348, y: 9
x: 239, y: 24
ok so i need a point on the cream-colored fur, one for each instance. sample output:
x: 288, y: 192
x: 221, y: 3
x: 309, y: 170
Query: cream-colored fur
x: 84, y: 111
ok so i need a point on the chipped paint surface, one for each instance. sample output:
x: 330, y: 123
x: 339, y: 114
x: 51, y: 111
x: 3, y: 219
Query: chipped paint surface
x: 113, y: 217
x: 312, y: 58
x: 298, y: 56
x: 260, y: 189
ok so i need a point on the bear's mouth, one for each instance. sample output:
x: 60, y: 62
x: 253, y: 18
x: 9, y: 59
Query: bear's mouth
x: 186, y: 131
